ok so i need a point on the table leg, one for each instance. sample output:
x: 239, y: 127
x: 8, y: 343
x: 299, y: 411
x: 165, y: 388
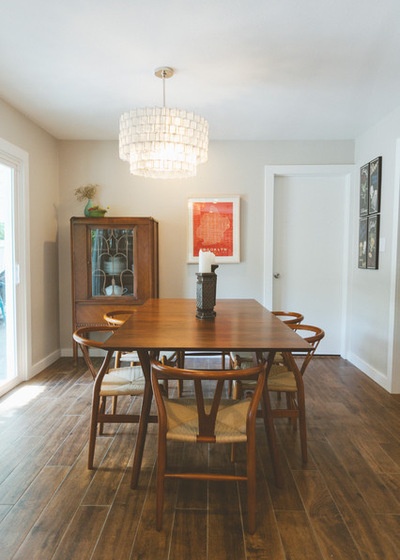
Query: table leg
x: 144, y: 418
x: 269, y: 426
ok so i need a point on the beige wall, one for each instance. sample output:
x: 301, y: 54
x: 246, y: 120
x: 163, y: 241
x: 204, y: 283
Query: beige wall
x: 234, y: 168
x: 43, y: 199
x: 374, y: 313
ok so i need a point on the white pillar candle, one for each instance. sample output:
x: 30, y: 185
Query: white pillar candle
x: 206, y: 259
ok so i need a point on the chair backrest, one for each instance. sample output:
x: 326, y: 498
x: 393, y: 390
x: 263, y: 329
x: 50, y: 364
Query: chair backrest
x: 208, y: 396
x: 313, y: 335
x: 83, y: 336
x: 289, y: 317
x: 118, y: 316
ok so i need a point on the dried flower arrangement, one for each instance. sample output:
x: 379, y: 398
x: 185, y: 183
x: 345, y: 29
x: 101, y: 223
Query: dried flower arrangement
x: 87, y: 192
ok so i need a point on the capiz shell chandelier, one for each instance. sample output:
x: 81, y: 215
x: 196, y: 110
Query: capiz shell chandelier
x: 163, y: 143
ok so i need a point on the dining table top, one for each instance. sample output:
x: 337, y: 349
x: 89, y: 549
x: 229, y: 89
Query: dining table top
x: 171, y: 324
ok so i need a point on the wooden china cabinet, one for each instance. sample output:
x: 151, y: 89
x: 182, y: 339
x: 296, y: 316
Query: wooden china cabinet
x: 114, y: 266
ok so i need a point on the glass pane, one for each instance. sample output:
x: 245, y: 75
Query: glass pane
x: 112, y: 254
x: 7, y: 283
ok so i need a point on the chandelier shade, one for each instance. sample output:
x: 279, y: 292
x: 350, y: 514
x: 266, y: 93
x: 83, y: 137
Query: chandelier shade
x: 163, y: 143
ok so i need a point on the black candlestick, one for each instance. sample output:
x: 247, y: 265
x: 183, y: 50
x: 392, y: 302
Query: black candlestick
x: 206, y: 292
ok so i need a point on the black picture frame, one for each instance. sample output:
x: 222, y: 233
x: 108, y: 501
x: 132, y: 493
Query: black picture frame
x: 364, y: 189
x: 374, y: 185
x: 362, y: 244
x: 373, y: 242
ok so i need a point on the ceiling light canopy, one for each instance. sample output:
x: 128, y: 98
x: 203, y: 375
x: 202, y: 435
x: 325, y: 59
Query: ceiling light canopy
x: 163, y: 143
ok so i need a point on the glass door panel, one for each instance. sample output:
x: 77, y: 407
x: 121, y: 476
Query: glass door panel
x: 113, y: 262
x: 7, y: 292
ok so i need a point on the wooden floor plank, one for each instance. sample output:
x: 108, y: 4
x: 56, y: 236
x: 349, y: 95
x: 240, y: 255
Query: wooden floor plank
x: 332, y: 534
x: 16, y: 525
x: 28, y: 468
x: 49, y: 528
x: 360, y: 522
x: 379, y: 498
x: 225, y: 520
x: 80, y: 538
x: 189, y: 537
x: 297, y: 536
x: 120, y: 529
x: 266, y: 543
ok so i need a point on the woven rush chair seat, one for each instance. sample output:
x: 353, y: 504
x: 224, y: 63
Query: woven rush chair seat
x: 123, y: 381
x: 183, y: 420
x: 282, y: 380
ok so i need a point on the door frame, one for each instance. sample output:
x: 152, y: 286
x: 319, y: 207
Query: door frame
x: 272, y: 172
x: 18, y: 159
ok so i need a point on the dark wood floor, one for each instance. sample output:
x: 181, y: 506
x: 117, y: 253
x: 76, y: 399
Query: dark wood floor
x: 344, y: 505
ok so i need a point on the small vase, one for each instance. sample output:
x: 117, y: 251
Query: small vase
x: 89, y: 204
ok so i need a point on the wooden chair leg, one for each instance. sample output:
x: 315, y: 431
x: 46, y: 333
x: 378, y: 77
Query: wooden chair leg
x: 291, y: 405
x: 141, y: 435
x: 302, y: 425
x: 233, y: 452
x: 114, y: 404
x: 251, y: 486
x: 271, y: 436
x: 102, y: 410
x: 117, y: 363
x: 161, y: 466
x: 93, y: 430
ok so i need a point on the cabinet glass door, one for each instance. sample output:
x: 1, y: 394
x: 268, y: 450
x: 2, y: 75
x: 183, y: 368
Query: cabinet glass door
x: 112, y: 260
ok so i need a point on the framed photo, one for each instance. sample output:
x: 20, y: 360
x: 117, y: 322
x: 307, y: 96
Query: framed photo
x: 364, y: 182
x: 362, y: 243
x: 214, y: 225
x: 374, y: 188
x: 373, y: 242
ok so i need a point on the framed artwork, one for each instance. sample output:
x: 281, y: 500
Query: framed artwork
x: 214, y: 225
x: 374, y: 185
x: 364, y: 183
x: 373, y: 242
x: 370, y: 207
x: 362, y: 243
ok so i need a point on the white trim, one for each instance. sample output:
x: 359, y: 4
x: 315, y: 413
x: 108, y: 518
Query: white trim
x: 271, y: 173
x: 19, y: 160
x: 392, y: 379
x: 46, y: 362
x: 371, y: 372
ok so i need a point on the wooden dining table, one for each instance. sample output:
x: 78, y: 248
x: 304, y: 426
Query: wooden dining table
x: 172, y: 325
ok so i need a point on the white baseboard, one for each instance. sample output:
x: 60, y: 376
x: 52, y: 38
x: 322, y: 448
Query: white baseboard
x: 371, y: 372
x: 43, y: 364
x: 67, y: 353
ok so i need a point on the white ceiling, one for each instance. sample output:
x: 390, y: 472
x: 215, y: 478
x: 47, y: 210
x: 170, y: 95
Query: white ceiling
x: 255, y: 69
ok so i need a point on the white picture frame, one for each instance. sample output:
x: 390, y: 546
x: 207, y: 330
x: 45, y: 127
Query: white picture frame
x: 214, y: 225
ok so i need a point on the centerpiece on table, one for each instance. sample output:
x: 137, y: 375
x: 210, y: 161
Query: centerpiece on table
x: 88, y: 193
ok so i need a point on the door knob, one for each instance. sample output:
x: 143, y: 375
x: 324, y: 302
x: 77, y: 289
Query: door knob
x: 277, y: 275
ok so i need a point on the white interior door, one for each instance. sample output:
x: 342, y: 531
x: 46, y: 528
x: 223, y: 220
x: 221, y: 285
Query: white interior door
x: 309, y: 253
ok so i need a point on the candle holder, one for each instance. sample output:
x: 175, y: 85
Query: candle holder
x: 206, y: 292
